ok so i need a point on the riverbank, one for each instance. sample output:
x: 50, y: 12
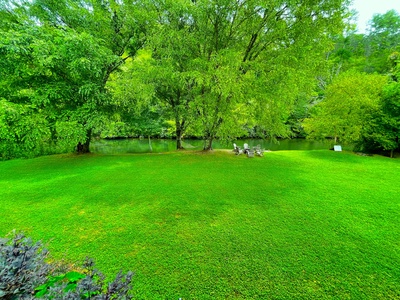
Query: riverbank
x: 121, y: 146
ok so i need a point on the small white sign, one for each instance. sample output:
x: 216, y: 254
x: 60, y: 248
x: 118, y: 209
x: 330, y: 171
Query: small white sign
x: 337, y: 148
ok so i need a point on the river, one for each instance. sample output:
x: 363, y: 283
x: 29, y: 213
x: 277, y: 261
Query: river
x: 121, y: 146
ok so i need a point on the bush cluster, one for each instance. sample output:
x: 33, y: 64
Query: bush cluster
x: 26, y: 274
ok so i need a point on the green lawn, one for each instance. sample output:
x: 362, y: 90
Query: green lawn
x: 289, y: 225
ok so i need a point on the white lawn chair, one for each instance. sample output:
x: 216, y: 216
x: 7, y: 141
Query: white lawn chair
x: 237, y: 149
x: 246, y: 148
x: 258, y: 151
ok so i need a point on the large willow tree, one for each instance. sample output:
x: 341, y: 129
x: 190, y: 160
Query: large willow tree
x: 221, y: 64
x: 57, y: 57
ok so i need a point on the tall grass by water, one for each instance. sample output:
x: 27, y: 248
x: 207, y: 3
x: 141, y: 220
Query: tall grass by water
x: 194, y: 225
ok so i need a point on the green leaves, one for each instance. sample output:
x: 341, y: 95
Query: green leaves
x: 22, y: 266
x: 350, y: 102
x: 232, y: 55
x: 382, y: 40
x: 384, y: 130
x: 58, y: 57
x: 217, y: 66
x: 24, y: 131
x: 71, y: 279
x: 23, y: 272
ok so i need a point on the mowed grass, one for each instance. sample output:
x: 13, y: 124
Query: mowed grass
x: 289, y: 225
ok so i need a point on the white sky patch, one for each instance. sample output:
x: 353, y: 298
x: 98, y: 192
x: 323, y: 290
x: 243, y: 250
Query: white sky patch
x: 367, y: 8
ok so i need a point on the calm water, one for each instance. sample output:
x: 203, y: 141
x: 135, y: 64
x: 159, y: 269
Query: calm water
x: 142, y: 145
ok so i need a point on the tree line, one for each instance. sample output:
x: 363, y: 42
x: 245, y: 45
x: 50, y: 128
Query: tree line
x: 360, y: 99
x: 214, y: 69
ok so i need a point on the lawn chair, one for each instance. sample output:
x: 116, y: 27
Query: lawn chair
x: 237, y: 150
x: 246, y: 148
x: 258, y: 151
x: 250, y: 153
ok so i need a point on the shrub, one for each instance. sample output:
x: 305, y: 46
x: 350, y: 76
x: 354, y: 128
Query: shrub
x: 22, y: 267
x: 90, y: 284
x: 24, y: 274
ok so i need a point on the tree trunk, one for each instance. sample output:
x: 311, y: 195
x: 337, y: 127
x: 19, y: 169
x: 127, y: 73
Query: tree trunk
x: 83, y: 148
x: 179, y: 143
x: 179, y: 133
x: 151, y: 148
x: 208, y: 143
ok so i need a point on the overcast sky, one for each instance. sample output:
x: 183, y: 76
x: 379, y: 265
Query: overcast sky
x: 367, y: 8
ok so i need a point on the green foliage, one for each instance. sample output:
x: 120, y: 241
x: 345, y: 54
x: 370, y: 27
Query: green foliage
x: 375, y: 52
x: 149, y: 123
x: 218, y: 70
x: 24, y: 131
x: 116, y: 129
x: 68, y: 135
x: 351, y: 101
x: 383, y: 130
x: 59, y: 56
x: 382, y: 40
x: 71, y: 279
x: 22, y: 267
x: 90, y: 284
x: 25, y: 274
x: 222, y: 66
x: 266, y: 59
x: 349, y: 54
x: 364, y: 52
x: 50, y: 74
x: 298, y: 114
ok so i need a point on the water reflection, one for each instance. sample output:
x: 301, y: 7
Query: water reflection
x: 165, y: 145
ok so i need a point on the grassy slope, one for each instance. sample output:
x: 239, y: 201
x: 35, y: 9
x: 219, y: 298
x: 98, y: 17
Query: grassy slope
x: 290, y: 225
